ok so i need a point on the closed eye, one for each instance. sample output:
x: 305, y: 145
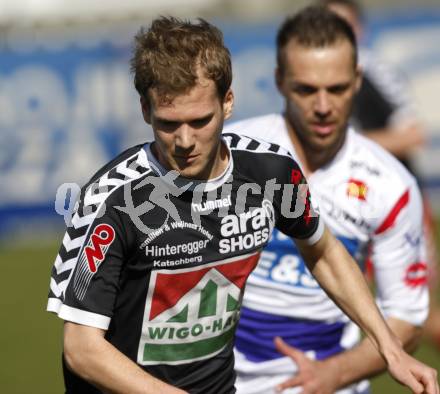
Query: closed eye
x: 168, y: 125
x: 339, y: 89
x: 303, y: 90
x: 199, y: 123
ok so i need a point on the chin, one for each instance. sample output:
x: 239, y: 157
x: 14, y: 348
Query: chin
x: 190, y: 172
x: 322, y: 143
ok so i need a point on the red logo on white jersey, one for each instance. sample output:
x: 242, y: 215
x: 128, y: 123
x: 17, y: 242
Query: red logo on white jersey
x: 416, y: 275
x: 100, y: 241
x: 357, y: 189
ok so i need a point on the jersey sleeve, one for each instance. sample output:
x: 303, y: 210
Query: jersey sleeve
x: 389, y: 91
x: 399, y: 260
x: 297, y: 217
x: 84, y: 278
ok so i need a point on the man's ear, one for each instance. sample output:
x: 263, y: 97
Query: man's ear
x: 359, y: 76
x: 146, y: 111
x: 228, y: 103
x: 279, y: 79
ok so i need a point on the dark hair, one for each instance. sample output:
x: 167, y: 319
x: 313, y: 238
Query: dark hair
x: 354, y: 6
x: 172, y: 54
x: 314, y: 27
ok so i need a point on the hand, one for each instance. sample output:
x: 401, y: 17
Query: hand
x: 315, y: 377
x: 410, y: 372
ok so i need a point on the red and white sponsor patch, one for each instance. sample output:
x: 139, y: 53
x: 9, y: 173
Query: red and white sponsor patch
x: 416, y: 275
x: 101, y: 239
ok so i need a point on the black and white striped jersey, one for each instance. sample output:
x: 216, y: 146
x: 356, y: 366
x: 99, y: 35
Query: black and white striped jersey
x: 160, y: 262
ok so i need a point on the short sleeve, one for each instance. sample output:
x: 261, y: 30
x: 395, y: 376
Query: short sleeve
x: 85, y: 276
x: 399, y: 260
x: 297, y: 217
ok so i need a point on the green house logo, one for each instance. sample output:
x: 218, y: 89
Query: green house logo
x: 191, y: 314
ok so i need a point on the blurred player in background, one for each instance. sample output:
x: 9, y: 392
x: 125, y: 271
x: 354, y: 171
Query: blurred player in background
x: 367, y: 199
x: 382, y: 110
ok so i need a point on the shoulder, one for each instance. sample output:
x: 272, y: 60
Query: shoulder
x: 130, y: 165
x: 378, y: 161
x: 255, y: 135
x: 255, y: 148
x: 388, y: 182
x: 263, y: 127
x: 259, y: 159
x: 129, y: 161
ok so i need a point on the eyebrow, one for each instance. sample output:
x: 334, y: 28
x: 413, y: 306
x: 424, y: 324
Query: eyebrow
x: 202, y: 117
x: 163, y: 120
x: 295, y: 84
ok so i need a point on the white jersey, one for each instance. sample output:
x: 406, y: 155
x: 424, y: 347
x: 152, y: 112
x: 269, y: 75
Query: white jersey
x: 373, y: 206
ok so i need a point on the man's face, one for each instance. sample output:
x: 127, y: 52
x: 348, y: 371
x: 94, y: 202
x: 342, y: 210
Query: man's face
x: 318, y: 85
x: 187, y: 130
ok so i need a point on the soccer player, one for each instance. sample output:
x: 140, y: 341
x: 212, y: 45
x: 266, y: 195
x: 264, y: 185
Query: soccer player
x: 150, y: 276
x: 383, y: 111
x: 367, y: 199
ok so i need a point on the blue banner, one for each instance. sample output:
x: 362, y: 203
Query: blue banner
x: 68, y: 105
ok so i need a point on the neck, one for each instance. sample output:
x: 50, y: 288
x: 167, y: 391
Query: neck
x: 214, y: 167
x: 220, y: 162
x: 311, y: 159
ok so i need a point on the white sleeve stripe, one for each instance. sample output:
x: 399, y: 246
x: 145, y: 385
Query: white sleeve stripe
x: 316, y: 236
x: 53, y: 305
x: 78, y: 316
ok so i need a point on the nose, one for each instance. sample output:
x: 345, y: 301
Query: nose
x: 184, y: 138
x: 322, y: 105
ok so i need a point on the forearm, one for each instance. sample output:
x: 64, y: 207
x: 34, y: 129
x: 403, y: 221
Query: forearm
x: 397, y: 140
x: 363, y: 361
x: 100, y: 363
x: 389, y: 140
x: 340, y: 277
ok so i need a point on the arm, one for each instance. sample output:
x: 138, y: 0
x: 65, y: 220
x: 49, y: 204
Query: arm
x: 401, y: 131
x: 339, y: 275
x: 341, y: 278
x: 86, y: 299
x: 400, y: 140
x: 364, y: 361
x: 91, y: 356
x: 404, y: 302
x: 345, y: 368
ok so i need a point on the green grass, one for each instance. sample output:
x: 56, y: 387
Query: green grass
x: 30, y: 340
